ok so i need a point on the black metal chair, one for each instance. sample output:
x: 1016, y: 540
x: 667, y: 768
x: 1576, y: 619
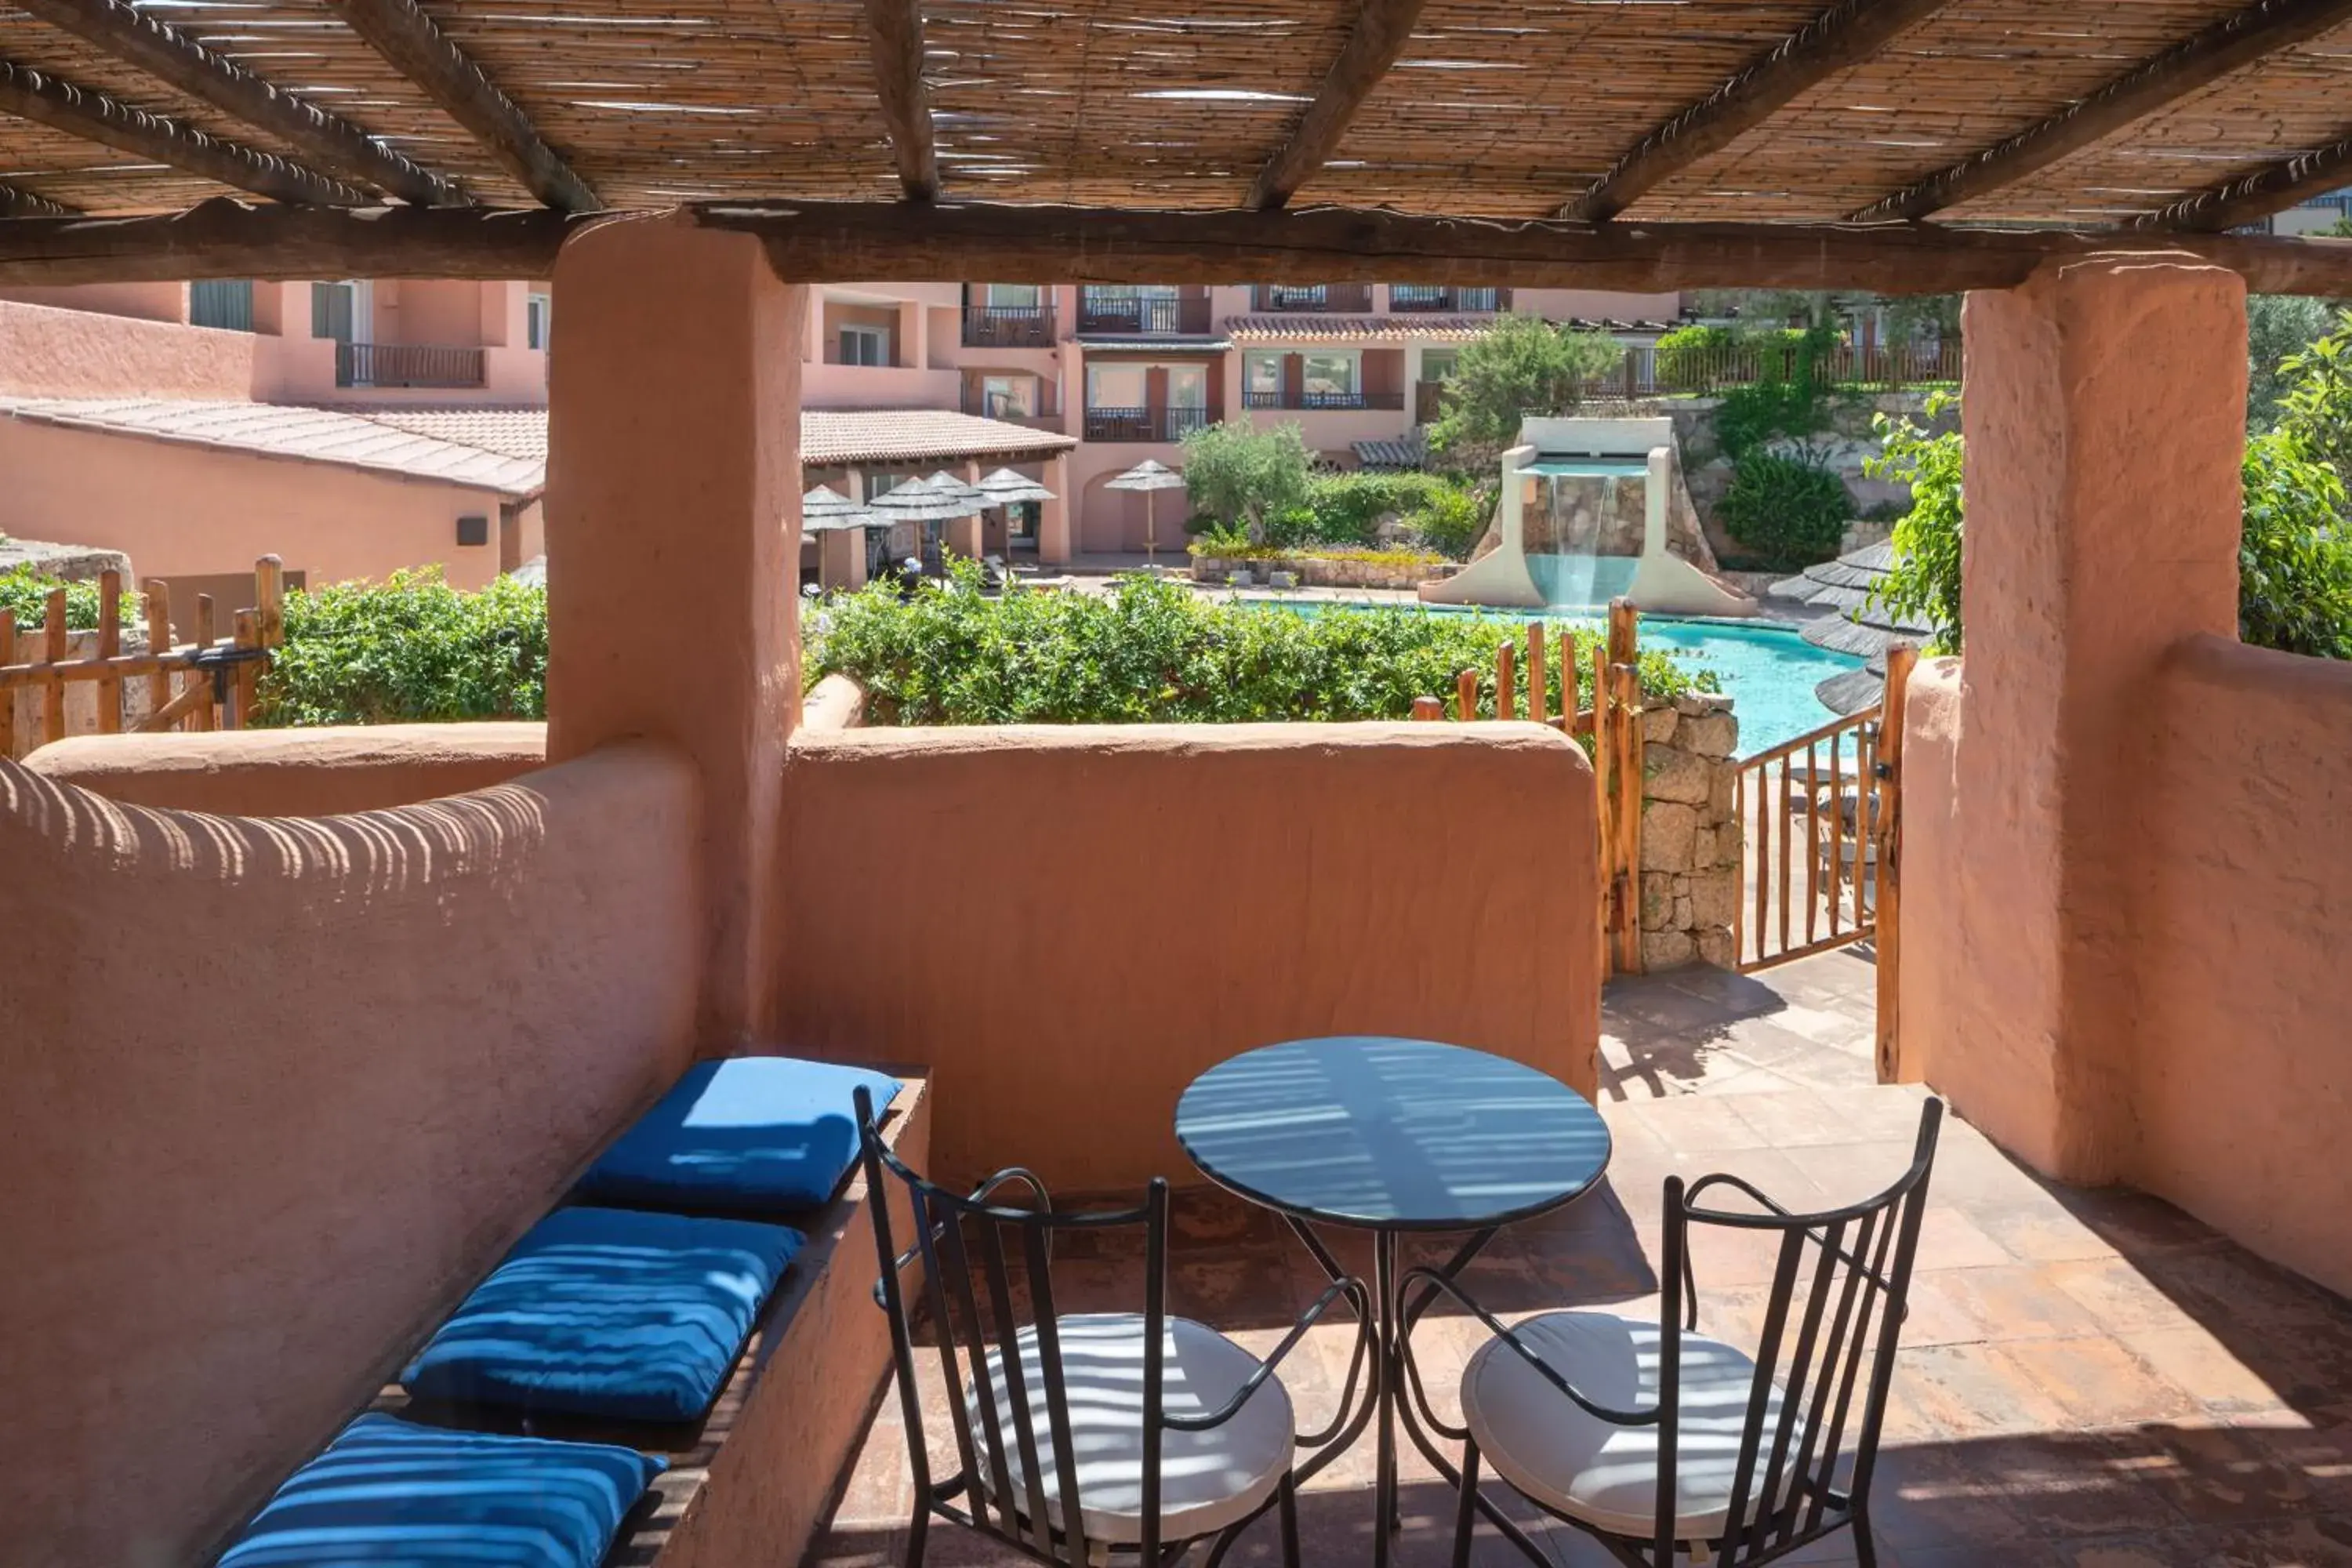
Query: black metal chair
x: 1652, y: 1442
x: 1079, y: 1436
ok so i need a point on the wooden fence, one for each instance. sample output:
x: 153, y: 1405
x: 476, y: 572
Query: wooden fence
x: 208, y: 682
x: 1821, y: 823
x: 1614, y: 722
x: 1706, y: 370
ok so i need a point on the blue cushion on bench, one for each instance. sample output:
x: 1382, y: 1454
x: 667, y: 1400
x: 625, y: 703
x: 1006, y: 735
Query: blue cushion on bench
x: 608, y: 1312
x: 757, y: 1133
x: 388, y: 1490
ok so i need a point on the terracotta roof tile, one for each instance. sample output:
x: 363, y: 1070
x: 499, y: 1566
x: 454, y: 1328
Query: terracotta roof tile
x: 283, y: 430
x: 902, y: 434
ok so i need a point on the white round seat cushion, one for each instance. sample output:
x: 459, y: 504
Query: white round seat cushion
x: 1605, y: 1475
x: 1208, y: 1479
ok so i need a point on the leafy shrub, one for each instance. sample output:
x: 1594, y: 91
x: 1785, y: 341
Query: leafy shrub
x: 409, y: 649
x: 1453, y: 521
x: 1925, y: 583
x: 1522, y: 365
x: 1788, y: 509
x: 1688, y: 355
x: 1154, y: 652
x: 25, y: 592
x: 1238, y: 474
x: 2294, y: 556
x: 1789, y: 397
x: 2317, y: 406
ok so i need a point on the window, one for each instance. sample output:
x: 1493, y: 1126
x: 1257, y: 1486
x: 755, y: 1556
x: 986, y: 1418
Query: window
x: 1436, y: 365
x: 1188, y: 387
x: 226, y: 303
x: 1330, y: 374
x: 1115, y: 386
x: 1011, y: 295
x: 1261, y: 377
x: 1008, y: 397
x: 865, y: 345
x: 336, y: 311
x: 536, y: 317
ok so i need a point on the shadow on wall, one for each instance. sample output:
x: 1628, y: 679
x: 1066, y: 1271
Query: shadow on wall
x: 277, y: 1090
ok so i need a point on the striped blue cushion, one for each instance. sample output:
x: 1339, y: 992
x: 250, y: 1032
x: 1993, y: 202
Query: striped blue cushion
x: 391, y: 1492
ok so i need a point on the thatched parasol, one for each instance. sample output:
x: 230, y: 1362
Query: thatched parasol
x: 1846, y: 586
x: 922, y: 501
x: 1004, y: 487
x: 1148, y: 476
x: 824, y: 510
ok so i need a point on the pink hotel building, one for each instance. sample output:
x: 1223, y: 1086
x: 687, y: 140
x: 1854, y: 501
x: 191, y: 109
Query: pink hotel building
x: 357, y: 427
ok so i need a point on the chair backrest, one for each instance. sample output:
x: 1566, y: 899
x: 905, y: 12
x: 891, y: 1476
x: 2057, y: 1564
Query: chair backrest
x: 1824, y: 1354
x: 986, y: 1277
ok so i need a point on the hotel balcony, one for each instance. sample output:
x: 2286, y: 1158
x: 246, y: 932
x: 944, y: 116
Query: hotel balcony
x: 1310, y: 401
x: 1144, y: 424
x: 407, y: 365
x: 1186, y: 314
x: 1313, y: 299
x: 1417, y: 299
x: 1008, y: 327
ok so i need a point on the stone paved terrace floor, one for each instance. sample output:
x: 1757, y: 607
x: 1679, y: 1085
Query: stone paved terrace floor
x: 2087, y: 1378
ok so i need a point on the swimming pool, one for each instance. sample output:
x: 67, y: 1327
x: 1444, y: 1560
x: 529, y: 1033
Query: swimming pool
x: 1767, y: 670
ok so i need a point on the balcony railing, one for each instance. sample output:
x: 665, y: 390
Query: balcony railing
x: 406, y: 364
x: 1038, y: 411
x: 1143, y: 424
x: 1414, y: 298
x: 1340, y: 299
x: 1323, y: 400
x: 1154, y: 316
x: 1008, y: 327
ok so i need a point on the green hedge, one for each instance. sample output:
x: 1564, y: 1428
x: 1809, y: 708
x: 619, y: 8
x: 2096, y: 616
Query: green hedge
x: 26, y: 593
x: 1346, y: 509
x: 410, y: 649
x: 1788, y: 510
x: 1154, y: 652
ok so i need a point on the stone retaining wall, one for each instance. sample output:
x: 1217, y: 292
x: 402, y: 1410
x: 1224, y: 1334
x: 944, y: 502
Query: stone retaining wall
x: 1324, y: 571
x: 1690, y: 833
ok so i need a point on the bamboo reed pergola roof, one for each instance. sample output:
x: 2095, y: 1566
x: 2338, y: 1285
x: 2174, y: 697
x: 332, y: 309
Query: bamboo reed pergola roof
x: 2132, y: 121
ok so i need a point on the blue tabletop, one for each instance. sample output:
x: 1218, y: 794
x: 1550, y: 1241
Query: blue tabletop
x: 1368, y: 1129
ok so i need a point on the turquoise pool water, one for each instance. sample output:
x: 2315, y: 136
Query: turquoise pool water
x: 1769, y: 671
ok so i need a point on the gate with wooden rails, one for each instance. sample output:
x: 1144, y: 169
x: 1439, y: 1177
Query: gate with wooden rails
x: 1614, y: 722
x: 207, y: 682
x: 1821, y: 835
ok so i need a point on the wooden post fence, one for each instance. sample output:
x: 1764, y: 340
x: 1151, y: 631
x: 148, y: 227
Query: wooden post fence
x: 209, y: 676
x: 1889, y: 953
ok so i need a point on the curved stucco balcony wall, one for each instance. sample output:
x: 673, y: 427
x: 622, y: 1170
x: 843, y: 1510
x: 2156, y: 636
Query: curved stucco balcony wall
x: 1205, y: 889
x: 280, y: 1088
x: 295, y: 772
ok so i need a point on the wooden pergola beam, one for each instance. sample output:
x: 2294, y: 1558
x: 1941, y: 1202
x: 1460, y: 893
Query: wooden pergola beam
x: 2230, y: 44
x: 17, y: 202
x: 821, y: 242
x: 414, y: 46
x: 2250, y: 198
x: 1383, y: 29
x: 895, y: 33
x: 137, y: 38
x: 1844, y: 35
x: 94, y: 117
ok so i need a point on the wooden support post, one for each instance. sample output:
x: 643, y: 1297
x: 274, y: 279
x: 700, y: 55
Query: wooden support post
x: 204, y: 716
x: 1624, y: 632
x: 1888, y: 836
x: 1466, y: 695
x: 1625, y: 697
x: 1428, y: 710
x: 247, y: 681
x: 7, y: 695
x: 1507, y: 697
x: 1540, y: 678
x: 158, y: 640
x: 270, y: 599
x: 110, y: 646
x: 55, y: 644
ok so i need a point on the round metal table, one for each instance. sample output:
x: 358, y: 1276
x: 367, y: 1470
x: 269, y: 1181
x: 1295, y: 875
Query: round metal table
x: 1389, y: 1135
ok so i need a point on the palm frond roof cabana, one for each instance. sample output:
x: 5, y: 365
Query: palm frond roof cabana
x: 1918, y: 143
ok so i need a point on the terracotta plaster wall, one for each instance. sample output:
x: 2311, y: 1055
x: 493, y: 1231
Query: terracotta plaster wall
x: 393, y: 1040
x: 1936, y: 989
x: 295, y: 772
x: 180, y: 509
x: 1208, y: 889
x: 47, y: 351
x: 2244, y: 1077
